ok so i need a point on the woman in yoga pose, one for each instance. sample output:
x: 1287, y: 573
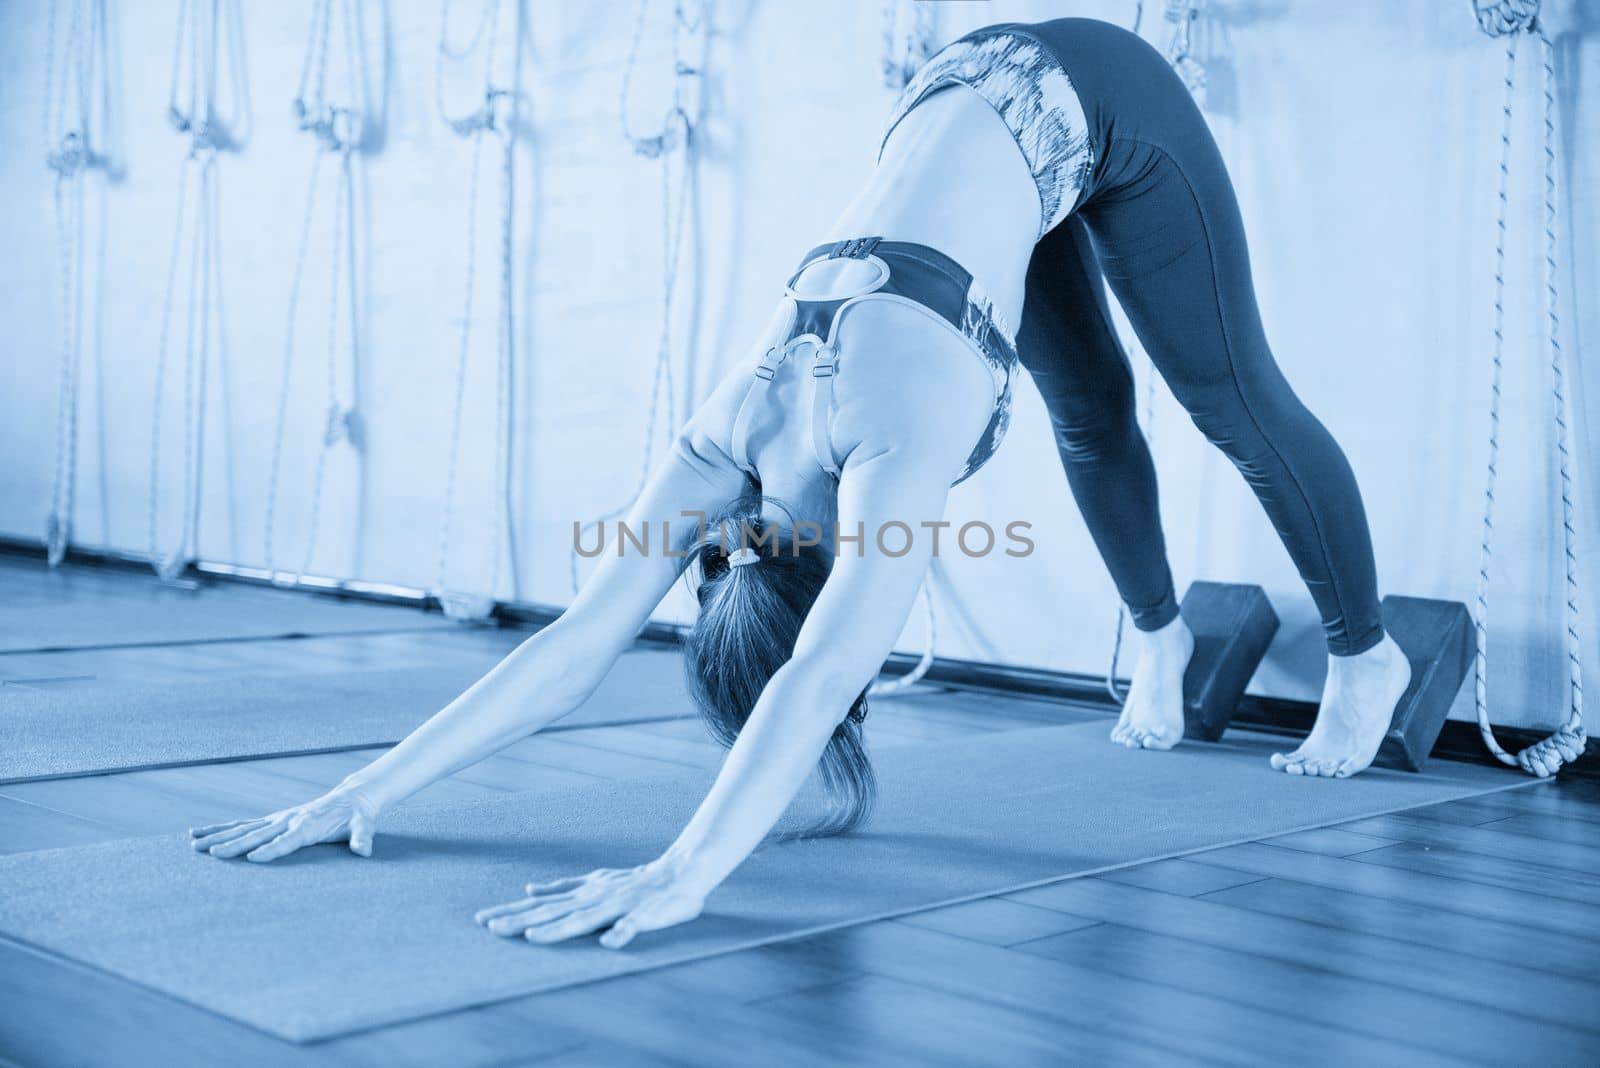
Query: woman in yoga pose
x: 1022, y: 165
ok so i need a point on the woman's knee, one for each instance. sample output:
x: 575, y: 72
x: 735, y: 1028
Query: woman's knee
x: 1090, y: 420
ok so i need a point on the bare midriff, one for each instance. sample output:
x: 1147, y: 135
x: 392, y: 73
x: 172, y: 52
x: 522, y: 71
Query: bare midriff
x: 952, y: 177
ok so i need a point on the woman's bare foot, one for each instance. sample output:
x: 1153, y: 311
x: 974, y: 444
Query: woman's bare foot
x: 1357, y: 705
x: 1152, y: 716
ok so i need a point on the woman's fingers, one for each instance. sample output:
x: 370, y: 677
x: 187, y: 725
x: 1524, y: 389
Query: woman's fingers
x: 485, y: 915
x: 225, y: 833
x: 217, y: 828
x: 243, y: 843
x: 525, y: 904
x: 574, y: 923
x: 663, y: 910
x: 288, y: 841
x: 534, y: 912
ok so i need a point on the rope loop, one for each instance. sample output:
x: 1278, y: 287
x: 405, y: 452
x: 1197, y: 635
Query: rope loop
x: 1546, y: 757
x: 1504, y: 18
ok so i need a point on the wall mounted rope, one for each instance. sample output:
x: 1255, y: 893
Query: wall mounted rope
x: 1181, y: 15
x: 1513, y: 19
x: 337, y: 123
x: 204, y: 35
x: 674, y: 137
x: 908, y: 42
x: 494, y: 114
x: 77, y: 133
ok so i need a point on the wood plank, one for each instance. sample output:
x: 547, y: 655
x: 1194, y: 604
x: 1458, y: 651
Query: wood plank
x: 1572, y: 918
x: 25, y: 827
x: 314, y: 770
x: 1582, y: 858
x: 753, y: 975
x: 1179, y: 876
x: 655, y: 1019
x: 1176, y: 1026
x: 1501, y: 986
x: 60, y: 1012
x: 137, y: 808
x: 1577, y: 799
x: 238, y: 781
x: 1547, y: 828
x: 1545, y: 885
x: 634, y: 742
x: 929, y: 1027
x: 687, y: 729
x: 995, y: 920
x: 602, y: 1055
x: 555, y: 751
x: 1409, y: 1021
x: 1329, y: 841
x: 485, y: 1037
x: 504, y: 774
x: 1408, y: 922
x: 1462, y: 812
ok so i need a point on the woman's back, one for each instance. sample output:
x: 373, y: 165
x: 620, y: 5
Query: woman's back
x: 951, y: 177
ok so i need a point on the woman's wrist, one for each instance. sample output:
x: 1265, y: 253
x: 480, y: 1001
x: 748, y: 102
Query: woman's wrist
x: 364, y: 790
x: 690, y: 869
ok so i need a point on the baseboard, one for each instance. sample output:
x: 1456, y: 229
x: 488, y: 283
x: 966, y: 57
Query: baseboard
x: 1457, y: 741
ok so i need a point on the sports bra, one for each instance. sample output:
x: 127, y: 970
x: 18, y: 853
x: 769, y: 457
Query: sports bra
x: 910, y: 274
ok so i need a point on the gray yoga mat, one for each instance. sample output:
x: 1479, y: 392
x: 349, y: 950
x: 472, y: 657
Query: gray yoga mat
x: 47, y: 733
x: 325, y: 943
x: 80, y: 609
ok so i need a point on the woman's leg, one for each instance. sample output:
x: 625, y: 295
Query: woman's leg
x: 1071, y: 351
x: 1067, y: 343
x: 1171, y: 242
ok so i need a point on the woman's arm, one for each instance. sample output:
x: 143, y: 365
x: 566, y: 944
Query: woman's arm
x: 544, y: 678
x: 846, y: 637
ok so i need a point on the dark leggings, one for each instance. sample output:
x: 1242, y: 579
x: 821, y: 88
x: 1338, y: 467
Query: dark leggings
x: 1159, y: 221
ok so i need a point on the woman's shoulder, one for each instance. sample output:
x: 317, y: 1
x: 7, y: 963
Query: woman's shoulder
x: 906, y: 380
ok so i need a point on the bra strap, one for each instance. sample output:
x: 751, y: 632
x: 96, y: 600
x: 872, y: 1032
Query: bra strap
x: 754, y: 398
x: 823, y: 370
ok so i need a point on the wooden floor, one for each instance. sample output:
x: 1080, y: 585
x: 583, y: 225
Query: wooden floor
x: 1467, y: 932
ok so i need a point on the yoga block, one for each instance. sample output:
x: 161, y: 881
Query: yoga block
x: 1436, y: 637
x: 1232, y: 625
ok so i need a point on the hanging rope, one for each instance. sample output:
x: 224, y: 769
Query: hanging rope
x: 496, y: 115
x: 70, y: 152
x: 1512, y: 19
x: 675, y: 136
x: 338, y: 129
x: 885, y: 687
x: 192, y: 110
x: 1181, y: 14
x: 908, y: 43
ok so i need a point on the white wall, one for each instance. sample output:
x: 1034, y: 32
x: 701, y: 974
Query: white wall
x: 1363, y: 139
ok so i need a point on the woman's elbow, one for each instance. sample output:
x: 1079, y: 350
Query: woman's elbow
x: 829, y: 684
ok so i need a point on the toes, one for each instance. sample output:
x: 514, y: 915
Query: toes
x: 1161, y: 740
x: 1281, y: 762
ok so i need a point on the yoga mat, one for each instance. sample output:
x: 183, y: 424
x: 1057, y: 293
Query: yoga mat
x: 47, y: 733
x: 75, y: 610
x: 326, y: 943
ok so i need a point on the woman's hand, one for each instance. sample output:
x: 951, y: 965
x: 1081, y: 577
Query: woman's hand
x: 343, y: 814
x: 627, y: 900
